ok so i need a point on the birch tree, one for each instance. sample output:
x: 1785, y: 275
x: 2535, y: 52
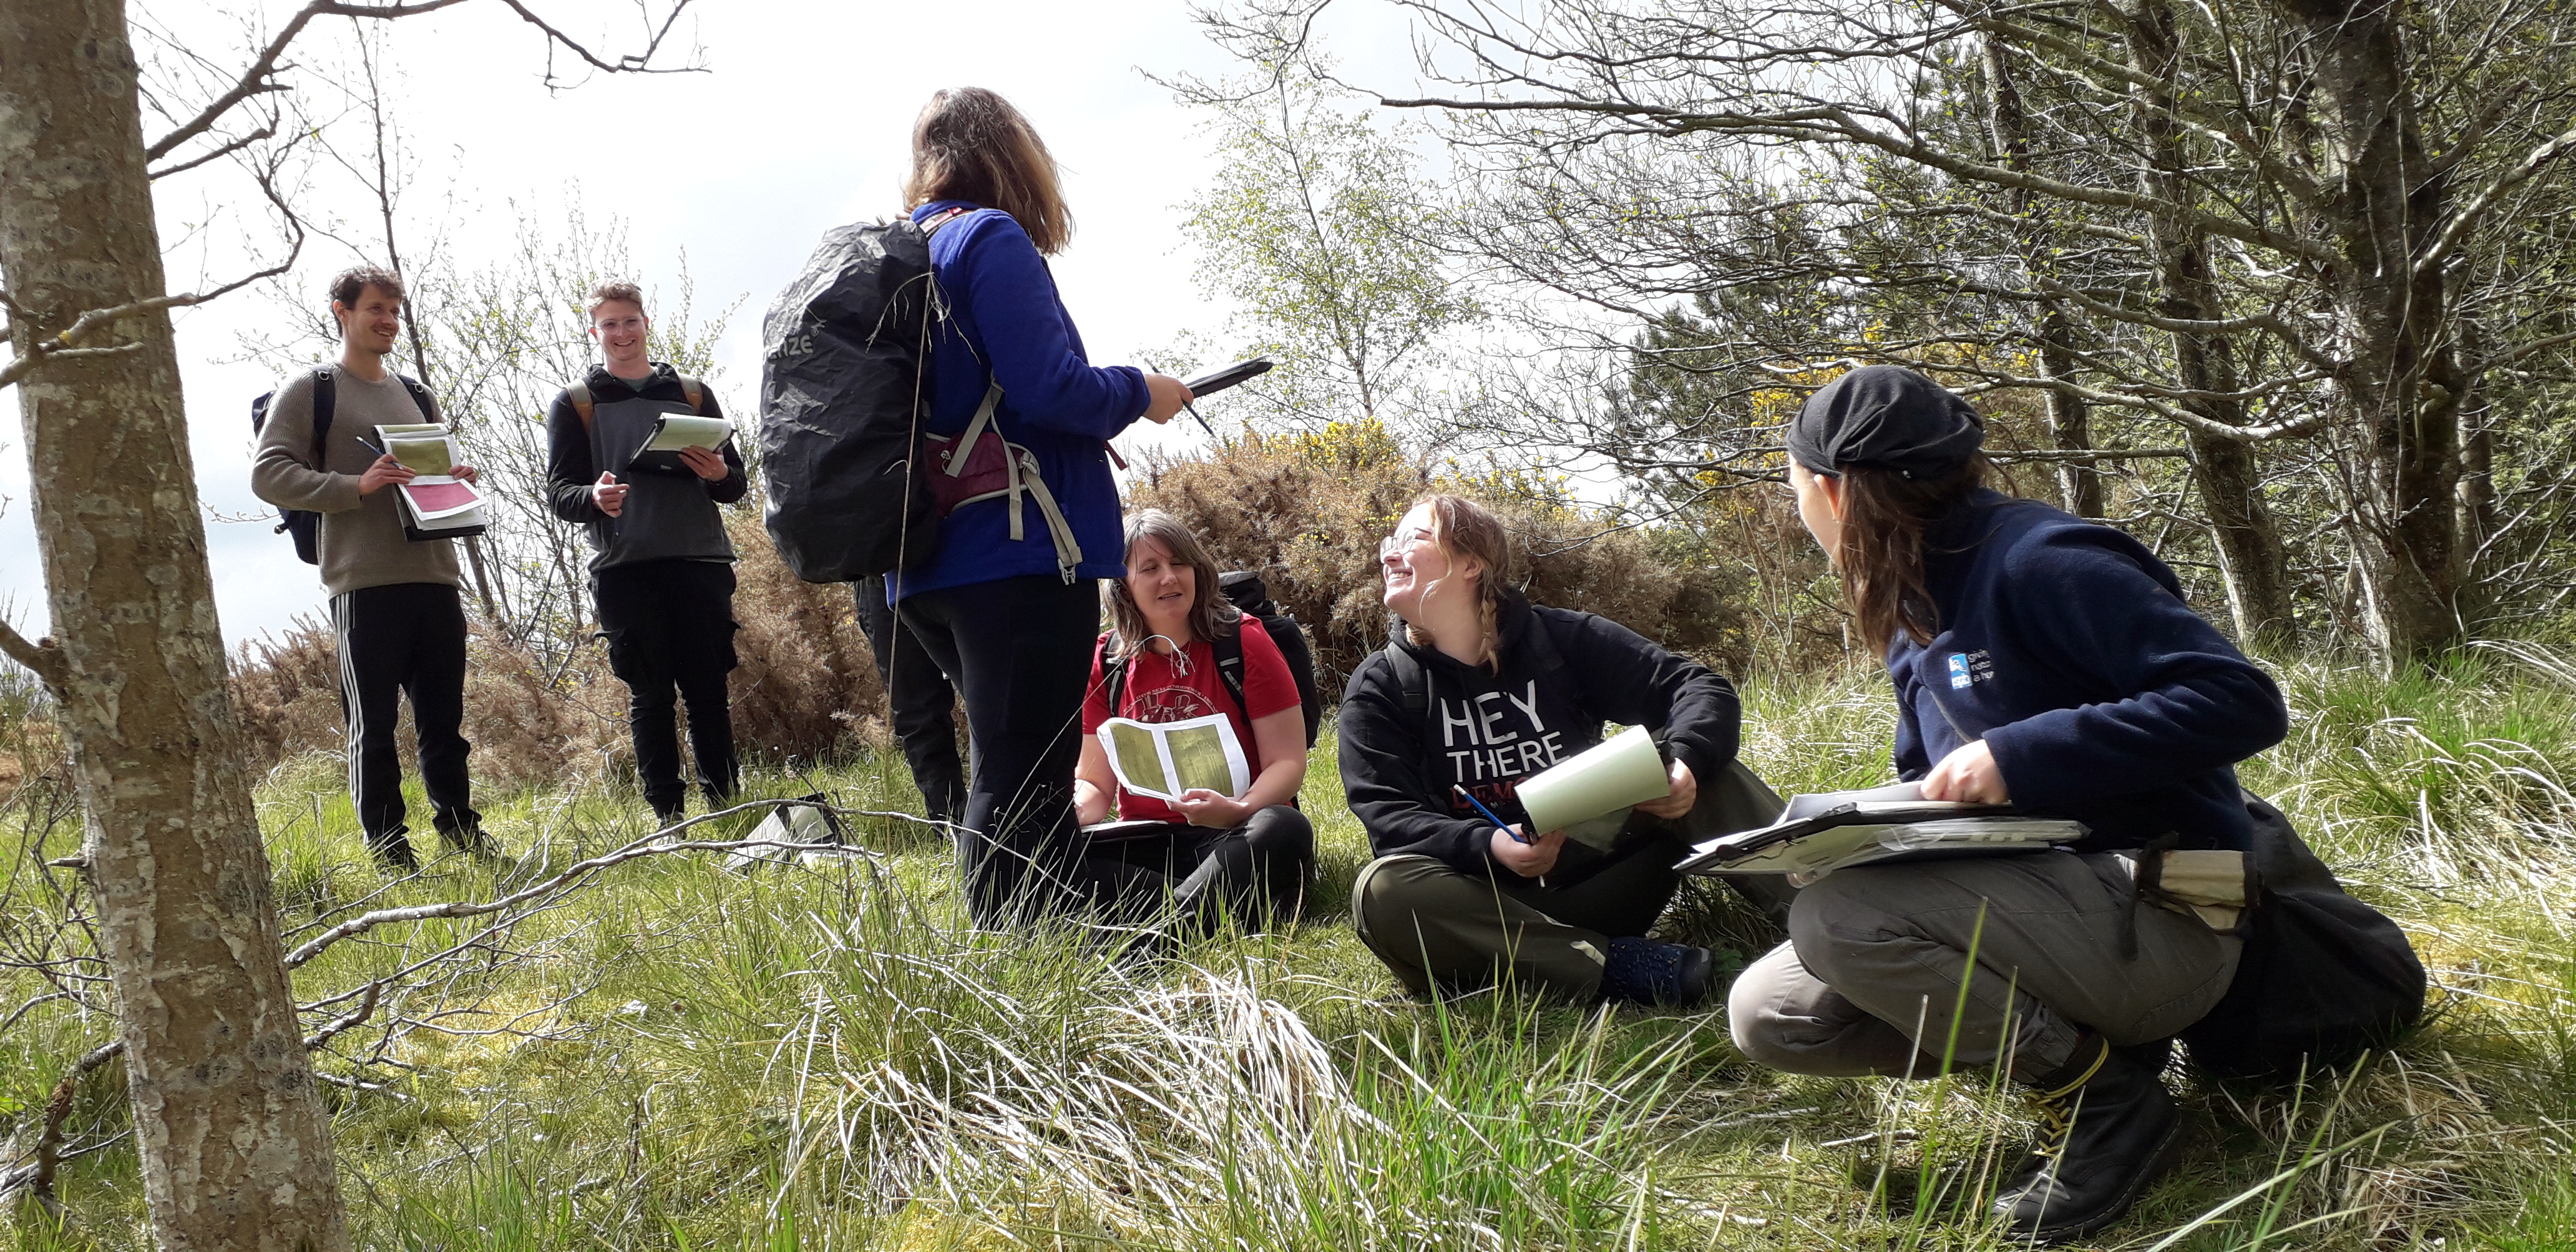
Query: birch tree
x: 235, y: 1150
x: 2305, y: 239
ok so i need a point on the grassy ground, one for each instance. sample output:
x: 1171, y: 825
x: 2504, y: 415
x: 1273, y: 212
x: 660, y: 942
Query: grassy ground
x: 686, y: 1057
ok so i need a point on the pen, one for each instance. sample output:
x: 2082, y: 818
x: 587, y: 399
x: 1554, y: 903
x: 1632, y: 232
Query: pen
x: 1489, y: 813
x: 1190, y: 409
x: 1507, y: 828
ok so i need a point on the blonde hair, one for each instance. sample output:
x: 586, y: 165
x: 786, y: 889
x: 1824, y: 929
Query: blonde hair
x: 615, y: 289
x: 1211, y: 616
x: 1462, y: 527
x: 970, y: 144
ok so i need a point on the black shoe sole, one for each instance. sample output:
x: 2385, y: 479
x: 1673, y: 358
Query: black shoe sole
x: 2167, y: 1150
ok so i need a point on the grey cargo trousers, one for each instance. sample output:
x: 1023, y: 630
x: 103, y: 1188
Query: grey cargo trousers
x: 1870, y: 980
x: 1437, y: 927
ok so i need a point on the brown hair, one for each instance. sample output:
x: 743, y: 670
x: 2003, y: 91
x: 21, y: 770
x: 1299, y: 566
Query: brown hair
x: 615, y: 289
x: 1211, y: 616
x: 1462, y: 527
x: 353, y: 282
x: 1885, y: 516
x: 970, y: 144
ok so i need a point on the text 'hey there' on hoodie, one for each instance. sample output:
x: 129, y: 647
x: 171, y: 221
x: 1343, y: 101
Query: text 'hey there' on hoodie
x: 1485, y: 731
x: 2067, y: 647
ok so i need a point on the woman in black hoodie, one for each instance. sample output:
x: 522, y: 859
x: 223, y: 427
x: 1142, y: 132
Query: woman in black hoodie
x: 1479, y: 690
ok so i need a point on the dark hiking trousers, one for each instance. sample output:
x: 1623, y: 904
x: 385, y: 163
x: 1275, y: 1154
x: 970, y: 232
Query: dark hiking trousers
x: 920, y: 703
x: 670, y: 638
x: 1879, y: 977
x: 1258, y: 871
x: 404, y: 640
x: 1019, y: 650
x: 1438, y: 927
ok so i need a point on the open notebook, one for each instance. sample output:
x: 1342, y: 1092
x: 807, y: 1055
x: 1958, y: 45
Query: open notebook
x: 1833, y: 830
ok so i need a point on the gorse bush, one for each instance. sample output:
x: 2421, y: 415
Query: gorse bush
x: 1307, y: 510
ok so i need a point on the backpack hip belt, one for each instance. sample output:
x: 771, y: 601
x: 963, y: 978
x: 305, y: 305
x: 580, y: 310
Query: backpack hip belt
x: 978, y: 464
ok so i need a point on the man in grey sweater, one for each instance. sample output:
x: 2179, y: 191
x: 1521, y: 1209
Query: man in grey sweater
x: 663, y: 577
x: 394, y: 602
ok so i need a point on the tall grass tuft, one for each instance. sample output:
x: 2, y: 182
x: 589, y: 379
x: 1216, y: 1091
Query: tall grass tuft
x: 828, y: 1056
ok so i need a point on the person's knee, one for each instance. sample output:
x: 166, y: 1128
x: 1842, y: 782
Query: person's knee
x: 1392, y: 890
x: 1831, y: 918
x: 1280, y: 833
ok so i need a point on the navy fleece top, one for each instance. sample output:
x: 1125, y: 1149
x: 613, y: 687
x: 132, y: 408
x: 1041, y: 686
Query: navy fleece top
x: 1007, y: 324
x: 2067, y: 647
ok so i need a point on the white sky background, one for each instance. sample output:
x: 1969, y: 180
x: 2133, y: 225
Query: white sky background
x: 801, y: 125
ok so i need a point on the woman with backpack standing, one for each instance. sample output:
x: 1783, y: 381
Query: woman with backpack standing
x: 1009, y: 606
x: 2044, y: 661
x: 1180, y: 651
x: 1479, y: 690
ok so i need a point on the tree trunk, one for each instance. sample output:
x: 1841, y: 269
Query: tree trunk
x: 2252, y: 560
x: 2400, y: 393
x: 235, y: 1148
x: 2079, y: 484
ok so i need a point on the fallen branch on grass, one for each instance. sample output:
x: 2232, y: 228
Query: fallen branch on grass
x: 45, y: 1155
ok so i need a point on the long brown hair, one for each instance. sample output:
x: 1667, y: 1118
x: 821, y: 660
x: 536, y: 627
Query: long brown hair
x: 1211, y: 616
x: 970, y: 144
x: 1462, y: 527
x: 1885, y: 517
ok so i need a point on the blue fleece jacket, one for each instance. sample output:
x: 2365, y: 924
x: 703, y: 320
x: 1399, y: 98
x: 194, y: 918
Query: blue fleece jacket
x: 1006, y: 323
x: 2067, y: 647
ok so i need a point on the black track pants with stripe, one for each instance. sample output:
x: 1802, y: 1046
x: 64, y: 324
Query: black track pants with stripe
x: 405, y: 639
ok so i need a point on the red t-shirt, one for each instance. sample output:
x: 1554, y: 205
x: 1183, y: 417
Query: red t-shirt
x: 1162, y: 688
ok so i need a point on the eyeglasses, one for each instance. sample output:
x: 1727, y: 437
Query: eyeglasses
x: 1399, y: 541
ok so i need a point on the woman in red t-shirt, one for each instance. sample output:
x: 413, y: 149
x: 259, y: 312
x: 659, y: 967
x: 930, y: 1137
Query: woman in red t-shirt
x: 1254, y: 852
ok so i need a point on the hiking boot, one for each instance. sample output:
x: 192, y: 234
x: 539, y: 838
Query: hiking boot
x: 2108, y: 1128
x: 470, y: 840
x: 1645, y: 971
x: 393, y: 854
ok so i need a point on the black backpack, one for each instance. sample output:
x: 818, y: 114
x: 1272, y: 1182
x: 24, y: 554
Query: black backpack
x: 1245, y: 591
x: 2324, y: 977
x: 305, y: 524
x: 844, y: 388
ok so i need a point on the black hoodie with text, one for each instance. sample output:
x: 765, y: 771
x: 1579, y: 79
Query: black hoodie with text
x: 1485, y: 730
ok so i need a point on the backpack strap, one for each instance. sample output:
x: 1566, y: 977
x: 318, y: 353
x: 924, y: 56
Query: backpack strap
x: 1542, y: 649
x: 974, y: 431
x: 420, y: 397
x: 326, y: 399
x: 1229, y: 661
x: 1113, y: 673
x: 1412, y: 681
x: 585, y: 406
x: 938, y: 220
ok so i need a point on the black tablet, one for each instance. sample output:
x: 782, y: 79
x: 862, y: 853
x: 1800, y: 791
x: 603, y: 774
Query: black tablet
x: 1219, y: 380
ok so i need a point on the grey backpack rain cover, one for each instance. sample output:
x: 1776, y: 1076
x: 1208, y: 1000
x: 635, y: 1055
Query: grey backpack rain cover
x: 843, y: 392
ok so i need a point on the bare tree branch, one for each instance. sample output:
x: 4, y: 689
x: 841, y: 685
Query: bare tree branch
x: 215, y: 154
x: 255, y: 80
x: 43, y: 657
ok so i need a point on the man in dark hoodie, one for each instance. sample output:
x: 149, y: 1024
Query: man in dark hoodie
x: 663, y: 579
x: 1481, y: 690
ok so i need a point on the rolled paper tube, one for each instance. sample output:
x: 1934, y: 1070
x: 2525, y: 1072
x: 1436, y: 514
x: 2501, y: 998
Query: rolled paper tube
x: 1623, y: 770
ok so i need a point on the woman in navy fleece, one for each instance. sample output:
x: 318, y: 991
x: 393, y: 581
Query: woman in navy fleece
x: 2048, y: 662
x: 1011, y: 618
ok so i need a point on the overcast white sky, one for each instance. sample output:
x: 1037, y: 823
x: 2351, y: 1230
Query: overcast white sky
x: 801, y: 125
